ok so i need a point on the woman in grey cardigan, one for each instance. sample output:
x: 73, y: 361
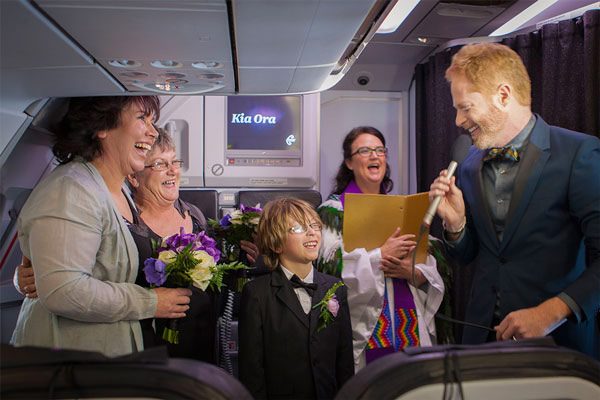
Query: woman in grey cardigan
x: 73, y: 228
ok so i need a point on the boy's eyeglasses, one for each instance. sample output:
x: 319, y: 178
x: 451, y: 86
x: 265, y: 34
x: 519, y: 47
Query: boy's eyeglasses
x: 164, y: 165
x: 366, y: 151
x: 299, y: 229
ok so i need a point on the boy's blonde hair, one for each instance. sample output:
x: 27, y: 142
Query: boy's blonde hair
x: 487, y: 65
x: 273, y: 226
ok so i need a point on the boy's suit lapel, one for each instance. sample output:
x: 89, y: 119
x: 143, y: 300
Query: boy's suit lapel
x: 285, y: 293
x: 317, y: 297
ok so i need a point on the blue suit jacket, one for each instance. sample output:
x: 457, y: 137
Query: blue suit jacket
x: 554, y: 210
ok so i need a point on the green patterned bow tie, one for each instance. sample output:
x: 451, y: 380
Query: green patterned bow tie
x: 502, y: 153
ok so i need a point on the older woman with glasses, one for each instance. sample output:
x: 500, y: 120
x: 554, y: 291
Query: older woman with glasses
x: 74, y: 229
x: 388, y: 312
x: 162, y: 213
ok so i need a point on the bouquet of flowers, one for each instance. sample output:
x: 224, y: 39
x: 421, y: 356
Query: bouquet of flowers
x: 184, y: 260
x: 234, y: 227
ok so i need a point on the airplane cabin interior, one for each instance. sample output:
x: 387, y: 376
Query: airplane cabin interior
x: 257, y: 96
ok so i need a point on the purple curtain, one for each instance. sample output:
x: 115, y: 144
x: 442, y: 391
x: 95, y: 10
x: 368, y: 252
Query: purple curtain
x: 563, y: 61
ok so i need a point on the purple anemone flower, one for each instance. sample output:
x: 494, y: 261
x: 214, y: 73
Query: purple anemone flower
x: 225, y: 221
x: 154, y: 269
x: 245, y: 209
x: 208, y: 244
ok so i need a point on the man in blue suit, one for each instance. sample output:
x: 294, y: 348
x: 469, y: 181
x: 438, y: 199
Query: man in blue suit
x: 528, y: 209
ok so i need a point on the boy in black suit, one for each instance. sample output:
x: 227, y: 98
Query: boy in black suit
x: 295, y: 333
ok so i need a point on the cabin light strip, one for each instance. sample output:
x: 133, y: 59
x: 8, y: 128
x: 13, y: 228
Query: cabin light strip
x: 397, y: 15
x: 523, y: 17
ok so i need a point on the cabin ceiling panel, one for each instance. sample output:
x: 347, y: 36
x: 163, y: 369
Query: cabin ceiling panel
x: 453, y: 21
x: 21, y: 31
x: 388, y: 66
x: 308, y: 36
x: 332, y: 29
x: 37, y: 61
x: 390, y: 59
x: 184, y: 32
x: 252, y: 80
x: 309, y: 79
x: 113, y: 30
x: 272, y: 33
x: 296, y: 32
x: 72, y: 81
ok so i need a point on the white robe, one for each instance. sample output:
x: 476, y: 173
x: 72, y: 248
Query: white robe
x: 365, y: 281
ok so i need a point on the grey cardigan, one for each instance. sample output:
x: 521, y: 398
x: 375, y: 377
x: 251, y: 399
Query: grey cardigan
x: 85, y: 264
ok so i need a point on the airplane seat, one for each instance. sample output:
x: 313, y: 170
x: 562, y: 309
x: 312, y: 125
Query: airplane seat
x: 526, y: 369
x: 206, y: 200
x: 35, y: 372
x: 253, y: 197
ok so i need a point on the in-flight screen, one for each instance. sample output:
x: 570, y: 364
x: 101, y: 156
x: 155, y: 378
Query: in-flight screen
x: 269, y: 123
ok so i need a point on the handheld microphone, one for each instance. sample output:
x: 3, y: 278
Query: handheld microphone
x: 459, y: 151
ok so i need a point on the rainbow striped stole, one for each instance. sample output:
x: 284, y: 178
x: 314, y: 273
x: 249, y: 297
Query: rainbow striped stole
x: 405, y: 322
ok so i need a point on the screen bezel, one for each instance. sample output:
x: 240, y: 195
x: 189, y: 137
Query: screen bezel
x: 266, y: 153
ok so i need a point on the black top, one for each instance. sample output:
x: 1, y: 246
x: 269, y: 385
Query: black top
x: 197, y: 328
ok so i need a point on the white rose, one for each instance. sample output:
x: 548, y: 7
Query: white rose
x: 201, y: 276
x: 203, y: 258
x: 201, y: 273
x: 254, y: 221
x: 167, y: 256
x: 236, y: 217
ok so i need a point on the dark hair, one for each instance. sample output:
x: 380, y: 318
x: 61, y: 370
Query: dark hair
x: 163, y: 142
x: 345, y: 175
x: 76, y: 135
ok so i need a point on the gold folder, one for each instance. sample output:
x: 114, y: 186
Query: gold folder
x: 370, y: 219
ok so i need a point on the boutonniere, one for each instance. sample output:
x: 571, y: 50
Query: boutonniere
x: 329, y: 307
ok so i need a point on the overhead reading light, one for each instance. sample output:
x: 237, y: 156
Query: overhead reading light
x: 522, y: 18
x: 206, y: 64
x: 178, y: 86
x: 124, y: 63
x: 210, y: 75
x: 397, y: 15
x: 165, y: 64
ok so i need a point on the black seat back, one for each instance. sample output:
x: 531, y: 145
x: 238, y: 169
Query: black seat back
x: 532, y: 369
x: 33, y: 373
x: 206, y: 200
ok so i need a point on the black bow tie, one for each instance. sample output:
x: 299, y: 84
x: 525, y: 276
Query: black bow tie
x: 298, y: 283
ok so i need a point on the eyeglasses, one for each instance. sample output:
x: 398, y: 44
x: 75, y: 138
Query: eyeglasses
x: 380, y: 151
x: 165, y: 165
x: 300, y: 229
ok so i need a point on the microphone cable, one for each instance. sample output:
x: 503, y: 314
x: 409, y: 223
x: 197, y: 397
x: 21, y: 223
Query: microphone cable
x: 457, y: 321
